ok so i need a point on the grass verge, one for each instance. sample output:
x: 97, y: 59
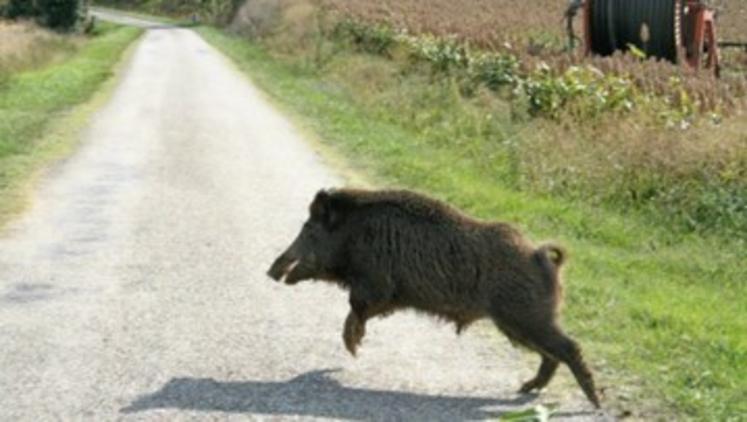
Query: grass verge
x: 41, y: 112
x: 661, y: 314
x: 27, y: 46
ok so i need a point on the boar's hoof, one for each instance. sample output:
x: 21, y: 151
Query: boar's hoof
x: 529, y: 386
x: 353, y: 333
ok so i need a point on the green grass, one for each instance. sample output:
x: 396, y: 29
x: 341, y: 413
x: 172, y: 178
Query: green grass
x: 661, y: 314
x: 38, y: 110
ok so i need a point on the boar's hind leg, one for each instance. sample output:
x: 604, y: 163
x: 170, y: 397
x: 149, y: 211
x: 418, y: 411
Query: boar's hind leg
x: 544, y: 375
x: 556, y: 345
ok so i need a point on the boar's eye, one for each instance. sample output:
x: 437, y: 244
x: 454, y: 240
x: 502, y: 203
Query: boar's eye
x: 311, y: 227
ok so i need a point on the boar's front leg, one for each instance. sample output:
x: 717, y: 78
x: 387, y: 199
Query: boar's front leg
x: 353, y: 332
x: 361, y: 310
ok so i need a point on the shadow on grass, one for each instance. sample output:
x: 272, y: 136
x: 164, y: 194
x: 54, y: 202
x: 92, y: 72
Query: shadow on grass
x: 315, y: 394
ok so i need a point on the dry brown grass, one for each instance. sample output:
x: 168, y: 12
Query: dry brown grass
x: 492, y: 23
x: 487, y: 23
x: 623, y: 157
x: 26, y: 46
x: 732, y: 19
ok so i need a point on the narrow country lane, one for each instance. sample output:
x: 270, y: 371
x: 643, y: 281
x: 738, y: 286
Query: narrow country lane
x: 134, y: 288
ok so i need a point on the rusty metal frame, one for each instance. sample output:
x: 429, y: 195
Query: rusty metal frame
x: 703, y: 39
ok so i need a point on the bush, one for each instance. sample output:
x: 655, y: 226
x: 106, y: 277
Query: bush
x: 580, y: 92
x: 373, y: 39
x: 495, y: 70
x: 61, y: 15
x: 21, y: 9
x: 444, y: 54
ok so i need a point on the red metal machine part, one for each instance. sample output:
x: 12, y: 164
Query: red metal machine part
x: 700, y: 37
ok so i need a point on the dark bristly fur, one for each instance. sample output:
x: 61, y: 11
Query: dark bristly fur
x: 399, y: 249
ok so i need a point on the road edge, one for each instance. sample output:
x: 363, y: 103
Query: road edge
x: 62, y: 138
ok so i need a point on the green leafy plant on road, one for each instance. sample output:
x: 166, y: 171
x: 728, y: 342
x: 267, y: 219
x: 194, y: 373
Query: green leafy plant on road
x: 536, y: 414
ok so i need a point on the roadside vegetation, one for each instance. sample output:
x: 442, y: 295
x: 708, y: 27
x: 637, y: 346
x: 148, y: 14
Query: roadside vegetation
x: 43, y: 76
x: 631, y: 133
x: 26, y: 46
x: 639, y: 167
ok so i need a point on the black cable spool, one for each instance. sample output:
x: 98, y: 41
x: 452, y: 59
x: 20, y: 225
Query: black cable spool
x: 652, y: 26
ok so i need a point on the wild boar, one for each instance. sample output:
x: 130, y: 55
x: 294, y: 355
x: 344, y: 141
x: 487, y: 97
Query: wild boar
x: 398, y: 249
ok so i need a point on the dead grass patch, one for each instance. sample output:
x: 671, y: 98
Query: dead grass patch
x: 27, y: 46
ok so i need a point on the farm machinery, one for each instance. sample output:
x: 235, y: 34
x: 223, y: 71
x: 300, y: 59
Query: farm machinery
x: 680, y: 31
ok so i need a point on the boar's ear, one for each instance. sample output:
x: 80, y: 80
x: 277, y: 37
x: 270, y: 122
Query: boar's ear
x: 323, y: 209
x: 319, y: 205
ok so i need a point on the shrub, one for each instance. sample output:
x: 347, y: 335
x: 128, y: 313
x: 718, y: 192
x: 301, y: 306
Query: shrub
x: 61, y: 15
x: 495, y: 70
x: 21, y: 9
x: 444, y: 54
x: 579, y: 92
x: 374, y: 39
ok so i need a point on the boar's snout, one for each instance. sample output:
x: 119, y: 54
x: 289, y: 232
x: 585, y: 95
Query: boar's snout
x: 292, y: 270
x: 309, y: 256
x: 282, y: 266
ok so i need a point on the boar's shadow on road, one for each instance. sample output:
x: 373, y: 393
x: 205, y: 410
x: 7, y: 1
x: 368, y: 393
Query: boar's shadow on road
x: 316, y: 394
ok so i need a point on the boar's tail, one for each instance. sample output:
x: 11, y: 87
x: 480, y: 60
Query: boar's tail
x: 554, y: 253
x: 551, y: 257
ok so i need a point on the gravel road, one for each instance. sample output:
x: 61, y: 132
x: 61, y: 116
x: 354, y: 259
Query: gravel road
x: 135, y: 286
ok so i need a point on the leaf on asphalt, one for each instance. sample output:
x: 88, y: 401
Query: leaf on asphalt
x: 536, y: 414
